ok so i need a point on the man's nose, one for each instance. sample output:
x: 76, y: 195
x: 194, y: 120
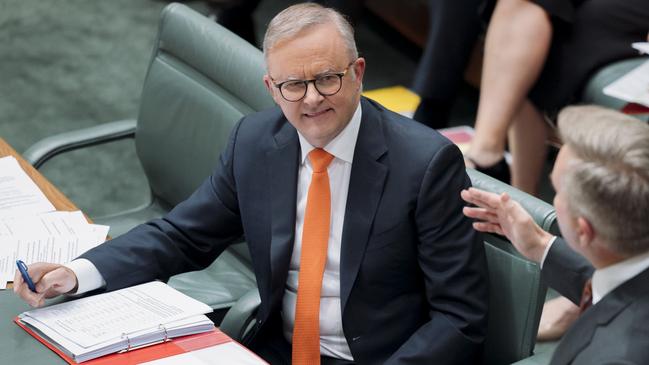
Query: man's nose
x: 312, y: 94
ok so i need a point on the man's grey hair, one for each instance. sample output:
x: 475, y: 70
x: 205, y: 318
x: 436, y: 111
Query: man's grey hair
x: 297, y: 18
x: 608, y: 183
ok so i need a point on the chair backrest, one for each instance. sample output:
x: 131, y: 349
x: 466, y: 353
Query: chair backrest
x: 516, y: 293
x: 543, y: 213
x: 201, y: 80
x: 516, y: 297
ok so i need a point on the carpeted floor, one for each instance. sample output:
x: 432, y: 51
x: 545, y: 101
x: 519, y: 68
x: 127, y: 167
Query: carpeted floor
x: 69, y: 64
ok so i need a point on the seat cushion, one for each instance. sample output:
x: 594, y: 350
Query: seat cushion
x: 220, y: 284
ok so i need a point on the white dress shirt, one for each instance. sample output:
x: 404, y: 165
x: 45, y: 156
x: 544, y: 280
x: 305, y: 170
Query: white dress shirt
x: 605, y: 280
x: 332, y: 338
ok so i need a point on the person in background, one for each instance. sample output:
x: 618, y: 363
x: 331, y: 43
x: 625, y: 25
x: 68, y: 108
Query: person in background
x: 538, y: 56
x: 602, y: 264
x: 236, y: 15
x: 454, y: 29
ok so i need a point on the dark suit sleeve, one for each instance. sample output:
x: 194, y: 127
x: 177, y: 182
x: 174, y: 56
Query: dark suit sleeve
x: 452, y: 258
x: 566, y: 271
x: 188, y: 238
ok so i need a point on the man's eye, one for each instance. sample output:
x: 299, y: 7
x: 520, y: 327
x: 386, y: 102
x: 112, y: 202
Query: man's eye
x: 293, y: 85
x: 327, y: 79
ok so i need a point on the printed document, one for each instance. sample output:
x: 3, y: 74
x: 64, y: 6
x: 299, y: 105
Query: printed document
x: 230, y: 353
x: 643, y: 47
x: 19, y: 195
x: 632, y: 87
x: 56, y: 237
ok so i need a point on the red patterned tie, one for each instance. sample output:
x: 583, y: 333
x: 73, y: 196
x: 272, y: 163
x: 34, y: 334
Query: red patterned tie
x: 586, y: 296
x: 315, y: 237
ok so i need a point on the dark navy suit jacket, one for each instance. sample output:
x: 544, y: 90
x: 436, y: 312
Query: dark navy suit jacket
x: 413, y: 271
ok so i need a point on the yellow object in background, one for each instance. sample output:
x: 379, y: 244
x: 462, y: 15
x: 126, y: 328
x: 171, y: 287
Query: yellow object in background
x: 396, y: 98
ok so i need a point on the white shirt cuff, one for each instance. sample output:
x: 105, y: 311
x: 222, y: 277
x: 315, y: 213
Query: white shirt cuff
x: 547, y: 249
x: 88, y: 277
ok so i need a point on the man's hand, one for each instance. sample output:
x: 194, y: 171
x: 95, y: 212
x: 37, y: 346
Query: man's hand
x: 50, y: 280
x: 502, y: 215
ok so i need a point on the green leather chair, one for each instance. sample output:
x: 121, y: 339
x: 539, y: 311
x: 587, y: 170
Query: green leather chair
x: 516, y: 290
x: 201, y: 80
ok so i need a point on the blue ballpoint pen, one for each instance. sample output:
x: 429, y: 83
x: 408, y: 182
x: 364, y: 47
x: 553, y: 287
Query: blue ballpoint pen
x: 23, y: 271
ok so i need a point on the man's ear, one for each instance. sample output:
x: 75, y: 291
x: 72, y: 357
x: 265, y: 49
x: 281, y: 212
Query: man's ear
x: 585, y: 232
x: 269, y: 86
x: 359, y: 69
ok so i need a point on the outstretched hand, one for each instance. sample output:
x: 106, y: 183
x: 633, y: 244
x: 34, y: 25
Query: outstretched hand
x: 504, y: 216
x: 50, y: 280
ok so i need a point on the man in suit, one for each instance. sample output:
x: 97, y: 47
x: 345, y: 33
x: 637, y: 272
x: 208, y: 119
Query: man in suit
x: 378, y: 235
x: 601, y: 178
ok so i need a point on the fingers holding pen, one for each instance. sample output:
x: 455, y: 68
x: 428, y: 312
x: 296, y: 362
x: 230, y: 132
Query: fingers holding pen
x: 38, y: 273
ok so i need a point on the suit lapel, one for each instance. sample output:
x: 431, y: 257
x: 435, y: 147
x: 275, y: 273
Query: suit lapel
x: 283, y: 166
x: 581, y: 333
x: 365, y: 189
x: 577, y: 338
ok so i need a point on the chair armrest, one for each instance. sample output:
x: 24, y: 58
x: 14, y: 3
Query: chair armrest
x: 241, y: 316
x: 543, y: 213
x: 49, y: 147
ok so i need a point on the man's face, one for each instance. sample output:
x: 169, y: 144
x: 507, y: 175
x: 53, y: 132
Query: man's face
x: 317, y: 51
x: 565, y: 217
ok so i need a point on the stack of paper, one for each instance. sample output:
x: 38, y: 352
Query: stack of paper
x: 30, y: 229
x: 94, y: 326
x: 643, y: 47
x: 226, y: 353
x: 632, y: 87
x: 56, y: 237
x: 19, y: 195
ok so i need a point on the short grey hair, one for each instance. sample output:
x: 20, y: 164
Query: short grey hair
x: 297, y: 18
x: 608, y: 183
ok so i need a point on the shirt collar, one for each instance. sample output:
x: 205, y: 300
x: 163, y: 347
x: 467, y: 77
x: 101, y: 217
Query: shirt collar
x: 610, y: 277
x: 343, y: 145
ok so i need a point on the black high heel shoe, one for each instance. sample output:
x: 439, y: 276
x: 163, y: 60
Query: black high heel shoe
x: 499, y: 170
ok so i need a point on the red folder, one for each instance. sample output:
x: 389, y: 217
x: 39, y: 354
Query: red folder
x: 633, y: 109
x: 172, y: 347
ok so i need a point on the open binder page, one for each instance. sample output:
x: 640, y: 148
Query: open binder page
x: 115, y: 317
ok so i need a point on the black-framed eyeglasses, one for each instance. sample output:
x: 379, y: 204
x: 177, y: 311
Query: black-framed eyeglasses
x: 326, y: 85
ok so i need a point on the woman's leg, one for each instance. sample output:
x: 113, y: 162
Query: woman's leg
x: 527, y: 143
x: 517, y: 44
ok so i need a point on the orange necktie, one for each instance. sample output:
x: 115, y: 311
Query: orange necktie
x: 315, y: 236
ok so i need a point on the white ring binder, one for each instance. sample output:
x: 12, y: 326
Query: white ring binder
x: 166, y: 338
x: 128, y: 342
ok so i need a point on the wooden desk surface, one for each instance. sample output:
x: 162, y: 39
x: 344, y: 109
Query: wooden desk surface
x: 60, y: 201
